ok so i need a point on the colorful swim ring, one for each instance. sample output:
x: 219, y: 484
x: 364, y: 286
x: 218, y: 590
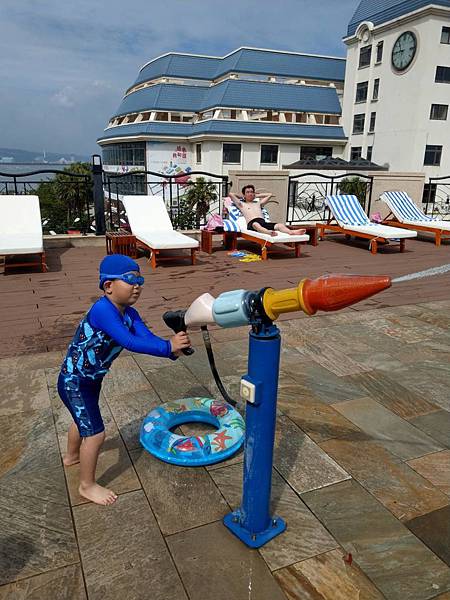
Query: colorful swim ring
x: 197, y: 450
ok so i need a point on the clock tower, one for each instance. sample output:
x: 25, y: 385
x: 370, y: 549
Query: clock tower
x: 397, y: 85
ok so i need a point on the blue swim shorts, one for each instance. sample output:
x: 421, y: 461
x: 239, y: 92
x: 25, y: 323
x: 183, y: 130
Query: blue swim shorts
x: 81, y: 398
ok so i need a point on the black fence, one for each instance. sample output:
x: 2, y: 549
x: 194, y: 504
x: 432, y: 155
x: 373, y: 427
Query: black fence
x: 307, y: 193
x: 436, y: 197
x: 87, y: 198
x: 189, y: 197
x: 66, y: 198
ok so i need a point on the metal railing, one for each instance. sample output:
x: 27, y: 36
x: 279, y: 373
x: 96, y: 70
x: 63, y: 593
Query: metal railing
x: 307, y: 193
x: 189, y: 197
x: 436, y: 197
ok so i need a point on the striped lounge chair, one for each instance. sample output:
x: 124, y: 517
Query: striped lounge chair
x: 237, y: 224
x: 352, y: 220
x: 404, y: 213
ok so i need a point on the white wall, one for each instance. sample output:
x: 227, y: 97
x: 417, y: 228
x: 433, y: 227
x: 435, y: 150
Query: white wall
x: 212, y: 155
x: 403, y: 127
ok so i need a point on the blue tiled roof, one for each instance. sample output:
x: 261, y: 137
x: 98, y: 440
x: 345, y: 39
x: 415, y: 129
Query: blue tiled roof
x: 218, y: 127
x: 381, y: 11
x: 232, y: 93
x: 245, y: 60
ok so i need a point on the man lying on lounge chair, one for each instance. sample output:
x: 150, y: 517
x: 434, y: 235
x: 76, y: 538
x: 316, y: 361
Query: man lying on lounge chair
x: 250, y: 207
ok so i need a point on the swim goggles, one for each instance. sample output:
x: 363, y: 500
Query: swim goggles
x: 129, y: 278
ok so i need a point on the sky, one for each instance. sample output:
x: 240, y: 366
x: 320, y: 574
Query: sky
x: 65, y: 65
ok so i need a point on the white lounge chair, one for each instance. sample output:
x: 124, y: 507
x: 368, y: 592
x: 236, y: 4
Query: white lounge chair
x: 352, y: 220
x: 405, y: 213
x: 21, y: 230
x: 237, y: 224
x: 151, y: 224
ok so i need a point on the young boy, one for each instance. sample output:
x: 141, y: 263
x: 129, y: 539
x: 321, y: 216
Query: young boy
x: 110, y: 325
x: 250, y: 207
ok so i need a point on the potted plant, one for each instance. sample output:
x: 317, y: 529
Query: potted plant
x: 354, y: 186
x: 198, y: 198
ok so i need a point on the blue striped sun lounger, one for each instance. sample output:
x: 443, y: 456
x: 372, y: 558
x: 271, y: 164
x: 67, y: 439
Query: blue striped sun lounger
x: 352, y: 220
x: 408, y: 215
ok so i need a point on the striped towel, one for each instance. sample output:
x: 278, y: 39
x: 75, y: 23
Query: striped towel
x: 236, y: 221
x: 347, y: 210
x: 403, y: 207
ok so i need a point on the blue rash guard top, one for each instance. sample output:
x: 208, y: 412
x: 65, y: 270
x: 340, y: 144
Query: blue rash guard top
x: 103, y: 334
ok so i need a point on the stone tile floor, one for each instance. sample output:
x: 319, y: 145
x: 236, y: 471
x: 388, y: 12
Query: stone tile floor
x: 361, y: 468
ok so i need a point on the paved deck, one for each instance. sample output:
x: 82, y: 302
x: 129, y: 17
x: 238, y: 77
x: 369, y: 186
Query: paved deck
x: 362, y: 459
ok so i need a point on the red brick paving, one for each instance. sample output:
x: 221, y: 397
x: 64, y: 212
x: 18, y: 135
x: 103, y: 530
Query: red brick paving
x: 39, y: 311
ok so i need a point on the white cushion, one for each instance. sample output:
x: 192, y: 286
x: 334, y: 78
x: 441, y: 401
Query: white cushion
x: 431, y: 224
x: 20, y: 224
x: 150, y: 223
x: 382, y: 231
x: 20, y: 244
x: 280, y: 238
x: 166, y: 240
x: 147, y: 213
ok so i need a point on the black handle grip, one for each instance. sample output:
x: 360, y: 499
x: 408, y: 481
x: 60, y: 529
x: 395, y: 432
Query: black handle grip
x: 175, y: 320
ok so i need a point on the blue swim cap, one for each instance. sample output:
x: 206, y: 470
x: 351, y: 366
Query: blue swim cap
x: 116, y: 264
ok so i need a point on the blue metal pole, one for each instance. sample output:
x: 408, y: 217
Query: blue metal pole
x: 252, y: 522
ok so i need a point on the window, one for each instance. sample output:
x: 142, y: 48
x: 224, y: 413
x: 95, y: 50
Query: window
x: 369, y: 152
x: 132, y: 154
x: 162, y: 116
x: 315, y: 152
x: 373, y: 117
x: 429, y: 193
x: 442, y: 75
x: 361, y: 91
x: 355, y: 152
x: 198, y: 153
x: 358, y: 123
x: 365, y: 55
x: 445, y: 35
x: 231, y: 154
x: 379, y: 52
x: 376, y: 89
x: 432, y: 156
x: 439, y: 112
x: 269, y: 154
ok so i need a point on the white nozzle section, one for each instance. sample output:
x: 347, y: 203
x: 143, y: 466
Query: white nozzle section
x: 200, y: 312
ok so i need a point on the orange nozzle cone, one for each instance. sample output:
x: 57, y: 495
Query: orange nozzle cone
x: 333, y: 292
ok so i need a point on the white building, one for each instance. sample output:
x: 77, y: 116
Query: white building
x: 397, y: 92
x: 251, y: 109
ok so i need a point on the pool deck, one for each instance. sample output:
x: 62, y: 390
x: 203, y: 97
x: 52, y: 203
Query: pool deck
x: 362, y: 452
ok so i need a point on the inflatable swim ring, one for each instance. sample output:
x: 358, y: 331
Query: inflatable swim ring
x: 197, y: 450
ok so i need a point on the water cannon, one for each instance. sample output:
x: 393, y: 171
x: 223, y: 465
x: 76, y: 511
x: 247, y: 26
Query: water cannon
x: 241, y: 307
x: 252, y: 522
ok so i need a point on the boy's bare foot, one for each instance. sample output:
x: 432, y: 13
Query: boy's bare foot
x: 97, y: 494
x: 297, y: 231
x: 70, y: 459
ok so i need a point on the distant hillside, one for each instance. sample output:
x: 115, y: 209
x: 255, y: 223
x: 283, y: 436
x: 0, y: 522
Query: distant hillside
x: 15, y: 155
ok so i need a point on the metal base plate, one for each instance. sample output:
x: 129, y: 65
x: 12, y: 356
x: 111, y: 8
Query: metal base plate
x: 253, y: 540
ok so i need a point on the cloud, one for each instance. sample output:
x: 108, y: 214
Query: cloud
x: 64, y: 97
x: 65, y: 66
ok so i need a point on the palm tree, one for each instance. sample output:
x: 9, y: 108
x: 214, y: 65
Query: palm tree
x: 199, y: 196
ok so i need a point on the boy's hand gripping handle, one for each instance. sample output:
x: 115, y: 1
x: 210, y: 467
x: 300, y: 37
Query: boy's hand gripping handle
x: 175, y: 320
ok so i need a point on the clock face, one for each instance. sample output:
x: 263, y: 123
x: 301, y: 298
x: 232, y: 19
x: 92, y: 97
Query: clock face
x: 404, y: 51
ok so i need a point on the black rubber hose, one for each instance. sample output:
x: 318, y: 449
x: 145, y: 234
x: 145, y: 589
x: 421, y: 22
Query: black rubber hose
x: 212, y: 364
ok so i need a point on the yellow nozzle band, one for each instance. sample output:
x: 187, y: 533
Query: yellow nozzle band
x: 276, y: 302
